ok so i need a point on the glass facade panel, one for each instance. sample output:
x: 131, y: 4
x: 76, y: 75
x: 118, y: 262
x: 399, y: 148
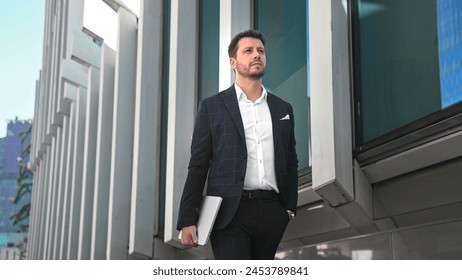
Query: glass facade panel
x: 450, y: 47
x: 209, y: 30
x: 405, y: 61
x: 432, y: 242
x: 437, y: 242
x: 375, y: 247
x: 284, y: 24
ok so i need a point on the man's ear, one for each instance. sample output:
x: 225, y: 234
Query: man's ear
x: 232, y: 62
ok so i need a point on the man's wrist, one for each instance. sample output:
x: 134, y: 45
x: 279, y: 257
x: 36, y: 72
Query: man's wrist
x: 291, y: 215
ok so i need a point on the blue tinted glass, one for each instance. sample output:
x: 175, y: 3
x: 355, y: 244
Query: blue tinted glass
x: 209, y: 28
x: 450, y: 47
x: 407, y: 61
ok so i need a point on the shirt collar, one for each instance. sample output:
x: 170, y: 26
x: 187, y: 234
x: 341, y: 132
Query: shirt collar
x: 240, y: 93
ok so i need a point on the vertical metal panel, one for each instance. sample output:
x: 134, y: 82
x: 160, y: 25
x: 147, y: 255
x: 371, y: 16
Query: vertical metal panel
x: 146, y: 149
x: 63, y: 252
x: 76, y: 184
x: 32, y: 160
x: 88, y: 54
x: 31, y: 246
x: 39, y: 190
x: 34, y: 166
x: 86, y: 207
x: 122, y: 140
x: 43, y: 205
x: 330, y: 102
x: 74, y: 77
x: 49, y: 77
x: 55, y: 196
x: 46, y: 153
x: 36, y: 214
x: 52, y: 194
x: 103, y: 155
x: 182, y: 107
x: 61, y: 170
x: 49, y: 190
x: 55, y: 119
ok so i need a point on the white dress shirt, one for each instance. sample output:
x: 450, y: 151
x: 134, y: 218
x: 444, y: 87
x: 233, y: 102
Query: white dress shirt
x: 258, y: 129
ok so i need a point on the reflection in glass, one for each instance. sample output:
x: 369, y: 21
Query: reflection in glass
x: 450, y: 50
x: 374, y: 247
x: 407, y: 62
x: 209, y: 28
x: 284, y: 24
x: 437, y: 242
x: 430, y: 242
x: 396, y: 64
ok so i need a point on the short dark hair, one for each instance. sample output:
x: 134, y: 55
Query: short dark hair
x: 232, y: 48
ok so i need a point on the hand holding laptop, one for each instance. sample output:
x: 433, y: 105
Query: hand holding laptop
x: 189, y: 236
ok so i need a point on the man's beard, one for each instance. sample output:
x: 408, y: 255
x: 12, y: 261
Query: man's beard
x: 245, y: 71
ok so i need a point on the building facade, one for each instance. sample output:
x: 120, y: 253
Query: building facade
x: 375, y: 88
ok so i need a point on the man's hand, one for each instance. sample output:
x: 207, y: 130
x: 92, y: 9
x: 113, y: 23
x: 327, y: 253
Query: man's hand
x: 189, y: 236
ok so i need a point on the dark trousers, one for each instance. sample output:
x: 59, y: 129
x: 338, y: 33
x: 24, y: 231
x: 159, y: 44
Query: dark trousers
x: 254, y: 232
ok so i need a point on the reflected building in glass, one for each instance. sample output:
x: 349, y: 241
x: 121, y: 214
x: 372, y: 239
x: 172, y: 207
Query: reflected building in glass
x: 450, y: 48
x: 11, y: 147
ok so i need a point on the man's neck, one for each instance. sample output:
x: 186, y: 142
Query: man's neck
x: 252, y: 88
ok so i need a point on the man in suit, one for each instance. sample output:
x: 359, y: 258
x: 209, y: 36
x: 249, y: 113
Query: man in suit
x: 243, y: 144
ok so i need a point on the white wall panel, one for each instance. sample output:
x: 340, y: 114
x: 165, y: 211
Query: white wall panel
x: 68, y: 177
x: 331, y: 127
x: 61, y: 170
x: 146, y: 145
x: 77, y: 174
x: 182, y: 107
x: 87, y: 53
x: 103, y: 155
x: 122, y: 137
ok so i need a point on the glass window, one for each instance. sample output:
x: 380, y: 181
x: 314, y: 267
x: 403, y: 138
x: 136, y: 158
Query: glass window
x: 284, y: 24
x: 209, y: 30
x: 450, y: 50
x: 406, y: 64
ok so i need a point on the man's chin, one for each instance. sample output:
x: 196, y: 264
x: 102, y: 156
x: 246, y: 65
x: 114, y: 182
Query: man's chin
x: 256, y: 76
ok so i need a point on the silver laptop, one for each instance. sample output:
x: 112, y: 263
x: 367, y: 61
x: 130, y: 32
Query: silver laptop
x: 208, y: 212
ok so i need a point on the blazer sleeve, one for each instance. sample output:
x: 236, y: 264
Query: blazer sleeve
x: 201, y: 154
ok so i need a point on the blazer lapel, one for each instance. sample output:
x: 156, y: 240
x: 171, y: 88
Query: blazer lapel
x: 274, y: 110
x: 230, y: 99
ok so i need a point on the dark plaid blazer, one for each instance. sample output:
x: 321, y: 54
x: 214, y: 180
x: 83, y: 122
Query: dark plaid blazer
x: 219, y: 155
